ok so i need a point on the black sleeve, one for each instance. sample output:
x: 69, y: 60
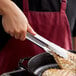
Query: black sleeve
x: 71, y: 14
x: 74, y: 30
x: 4, y: 37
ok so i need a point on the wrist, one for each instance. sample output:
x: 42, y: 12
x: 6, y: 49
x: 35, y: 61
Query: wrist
x: 5, y: 6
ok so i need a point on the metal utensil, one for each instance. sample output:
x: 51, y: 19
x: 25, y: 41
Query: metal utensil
x: 47, y: 45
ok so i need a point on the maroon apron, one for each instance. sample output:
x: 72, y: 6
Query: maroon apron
x: 53, y: 26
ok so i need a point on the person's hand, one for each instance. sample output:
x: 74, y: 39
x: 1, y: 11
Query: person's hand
x: 15, y: 22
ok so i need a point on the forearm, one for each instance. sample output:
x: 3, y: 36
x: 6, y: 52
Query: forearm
x: 7, y: 6
x: 74, y: 43
x: 4, y: 5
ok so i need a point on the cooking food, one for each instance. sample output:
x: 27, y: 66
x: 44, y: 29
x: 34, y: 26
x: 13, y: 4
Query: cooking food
x: 72, y: 56
x: 69, y: 63
x: 68, y: 66
x: 58, y: 72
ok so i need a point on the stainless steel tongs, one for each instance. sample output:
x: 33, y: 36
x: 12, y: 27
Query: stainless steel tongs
x: 47, y: 45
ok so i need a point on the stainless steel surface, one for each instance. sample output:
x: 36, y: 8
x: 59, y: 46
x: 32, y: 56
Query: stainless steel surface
x: 47, y: 45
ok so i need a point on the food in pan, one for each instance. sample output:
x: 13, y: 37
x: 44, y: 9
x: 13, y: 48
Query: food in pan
x: 58, y: 72
x: 67, y: 66
x: 72, y: 56
x: 69, y: 63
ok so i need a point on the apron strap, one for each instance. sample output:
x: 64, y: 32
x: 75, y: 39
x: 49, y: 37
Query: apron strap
x: 63, y: 5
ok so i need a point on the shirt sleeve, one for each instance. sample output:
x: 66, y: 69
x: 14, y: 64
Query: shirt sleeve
x: 71, y: 14
x: 4, y: 37
x: 74, y: 30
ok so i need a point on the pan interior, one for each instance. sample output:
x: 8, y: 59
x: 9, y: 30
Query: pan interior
x: 41, y: 62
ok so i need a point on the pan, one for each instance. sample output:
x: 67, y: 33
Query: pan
x: 39, y: 63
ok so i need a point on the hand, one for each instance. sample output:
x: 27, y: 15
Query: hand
x: 15, y: 22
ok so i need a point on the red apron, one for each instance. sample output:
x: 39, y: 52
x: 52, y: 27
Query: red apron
x: 53, y: 26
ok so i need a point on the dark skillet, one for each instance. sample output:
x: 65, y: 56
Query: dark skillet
x: 39, y: 63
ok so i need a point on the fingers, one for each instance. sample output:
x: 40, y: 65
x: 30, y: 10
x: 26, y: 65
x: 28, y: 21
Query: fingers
x: 12, y: 34
x: 30, y: 30
x: 22, y: 33
x: 19, y: 35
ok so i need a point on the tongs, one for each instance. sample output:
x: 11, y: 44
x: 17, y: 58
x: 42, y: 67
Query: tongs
x: 47, y: 45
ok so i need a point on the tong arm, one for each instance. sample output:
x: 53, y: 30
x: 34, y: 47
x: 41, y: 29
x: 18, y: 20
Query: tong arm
x: 37, y: 42
x: 47, y: 45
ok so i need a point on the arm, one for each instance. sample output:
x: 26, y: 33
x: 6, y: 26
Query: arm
x: 74, y: 36
x: 4, y: 4
x: 14, y: 21
x: 74, y: 43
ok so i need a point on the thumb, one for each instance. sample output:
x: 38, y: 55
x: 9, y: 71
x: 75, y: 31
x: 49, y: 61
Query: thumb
x: 30, y: 30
